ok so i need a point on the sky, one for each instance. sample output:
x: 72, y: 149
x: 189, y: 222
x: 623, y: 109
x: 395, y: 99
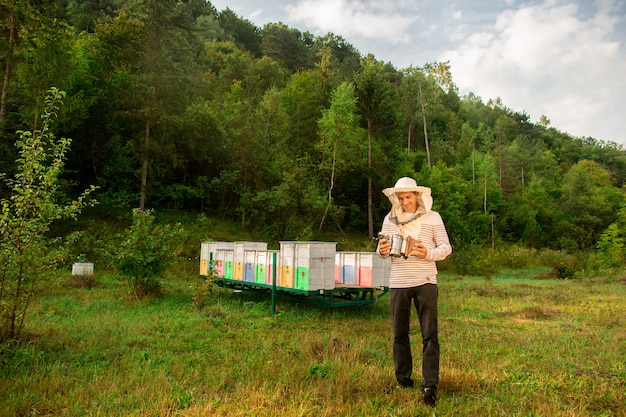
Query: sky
x: 563, y: 59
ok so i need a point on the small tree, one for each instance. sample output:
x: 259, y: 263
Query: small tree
x: 611, y: 248
x: 341, y: 139
x: 26, y: 216
x: 144, y: 251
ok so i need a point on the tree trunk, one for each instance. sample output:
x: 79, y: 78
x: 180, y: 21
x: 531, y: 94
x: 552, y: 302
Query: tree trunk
x: 370, y: 213
x: 330, y: 187
x: 485, y: 192
x: 408, y: 141
x: 474, y: 165
x: 419, y: 84
x: 144, y: 168
x: 500, y: 163
x: 7, y: 74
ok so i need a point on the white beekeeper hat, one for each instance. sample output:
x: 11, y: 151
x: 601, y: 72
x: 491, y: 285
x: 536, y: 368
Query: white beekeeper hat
x: 407, y: 184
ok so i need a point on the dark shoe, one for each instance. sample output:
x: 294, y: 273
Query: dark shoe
x: 430, y: 396
x: 406, y: 382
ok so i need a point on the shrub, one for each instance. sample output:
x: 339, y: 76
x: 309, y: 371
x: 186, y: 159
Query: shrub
x: 473, y: 260
x: 83, y: 281
x: 516, y: 257
x: 26, y: 217
x: 565, y: 266
x: 611, y: 248
x: 144, y: 251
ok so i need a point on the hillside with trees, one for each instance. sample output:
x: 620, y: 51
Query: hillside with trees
x: 178, y: 105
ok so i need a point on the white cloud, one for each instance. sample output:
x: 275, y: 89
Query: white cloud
x: 547, y: 59
x: 354, y: 19
x: 255, y: 15
x: 559, y: 58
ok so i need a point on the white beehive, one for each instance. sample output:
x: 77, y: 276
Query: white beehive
x: 311, y: 265
x: 265, y: 267
x: 347, y: 268
x: 82, y: 268
x: 372, y: 270
x: 218, y: 252
x: 244, y: 258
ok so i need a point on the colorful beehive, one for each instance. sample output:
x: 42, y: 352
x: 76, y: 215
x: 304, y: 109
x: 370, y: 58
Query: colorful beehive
x: 351, y: 269
x: 338, y: 271
x: 273, y: 272
x: 373, y: 271
x: 265, y: 267
x: 204, y: 258
x: 346, y: 268
x: 285, y: 279
x: 364, y: 266
x: 217, y: 252
x: 227, y: 259
x: 310, y: 265
x: 363, y: 269
x: 244, y: 252
x: 238, y: 271
x: 260, y: 273
x: 249, y: 265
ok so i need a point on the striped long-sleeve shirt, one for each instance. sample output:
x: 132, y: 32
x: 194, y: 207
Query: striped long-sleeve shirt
x: 413, y: 271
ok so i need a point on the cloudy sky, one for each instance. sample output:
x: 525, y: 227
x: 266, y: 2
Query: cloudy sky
x: 565, y: 59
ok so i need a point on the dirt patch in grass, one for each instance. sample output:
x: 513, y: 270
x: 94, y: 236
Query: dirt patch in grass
x: 533, y: 313
x: 501, y: 291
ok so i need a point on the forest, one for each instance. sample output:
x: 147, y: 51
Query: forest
x: 175, y: 105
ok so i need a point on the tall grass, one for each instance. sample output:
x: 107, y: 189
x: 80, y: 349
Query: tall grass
x: 511, y: 346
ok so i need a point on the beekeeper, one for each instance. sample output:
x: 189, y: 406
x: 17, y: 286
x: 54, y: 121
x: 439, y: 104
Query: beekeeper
x: 416, y: 238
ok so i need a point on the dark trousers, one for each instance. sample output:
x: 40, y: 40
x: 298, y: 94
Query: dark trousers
x: 424, y: 298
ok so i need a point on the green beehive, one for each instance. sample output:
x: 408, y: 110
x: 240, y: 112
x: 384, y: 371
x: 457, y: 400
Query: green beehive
x: 261, y: 273
x: 228, y: 269
x: 302, y: 278
x: 312, y: 263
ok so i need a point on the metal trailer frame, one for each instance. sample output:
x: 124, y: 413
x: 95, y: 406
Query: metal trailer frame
x: 340, y: 296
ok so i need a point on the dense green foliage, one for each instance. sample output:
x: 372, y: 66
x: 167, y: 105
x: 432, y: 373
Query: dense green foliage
x: 174, y: 104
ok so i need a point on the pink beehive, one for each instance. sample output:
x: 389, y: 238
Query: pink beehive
x: 365, y: 263
x: 373, y: 271
x: 270, y: 267
x: 219, y: 268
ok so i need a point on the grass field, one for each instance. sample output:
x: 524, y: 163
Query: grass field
x: 511, y: 346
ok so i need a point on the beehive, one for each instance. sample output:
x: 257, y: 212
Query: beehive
x: 227, y: 265
x: 372, y: 270
x: 308, y: 266
x: 346, y: 267
x: 363, y: 269
x: 243, y: 268
x: 218, y: 252
x: 82, y: 268
x: 338, y: 271
x: 265, y: 267
x: 249, y: 265
x: 204, y: 258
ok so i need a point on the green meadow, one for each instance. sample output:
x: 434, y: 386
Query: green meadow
x: 512, y: 345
